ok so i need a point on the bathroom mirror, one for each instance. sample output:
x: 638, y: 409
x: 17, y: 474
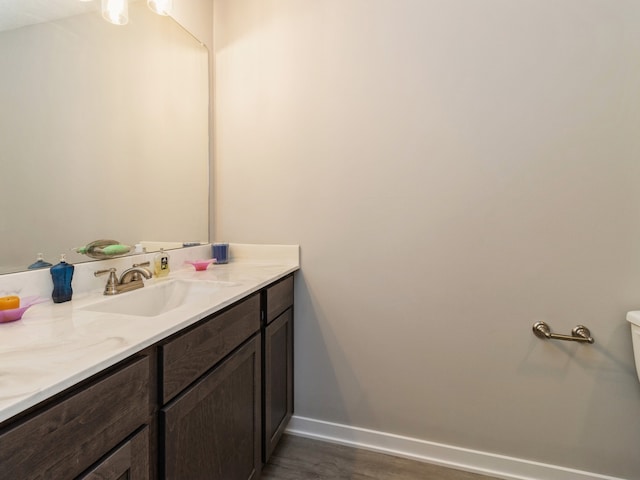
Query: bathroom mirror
x: 103, y: 132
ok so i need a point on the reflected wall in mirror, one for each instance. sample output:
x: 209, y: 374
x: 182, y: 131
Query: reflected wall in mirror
x: 103, y: 134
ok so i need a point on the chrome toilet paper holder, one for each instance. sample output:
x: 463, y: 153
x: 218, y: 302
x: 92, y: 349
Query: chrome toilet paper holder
x: 579, y: 334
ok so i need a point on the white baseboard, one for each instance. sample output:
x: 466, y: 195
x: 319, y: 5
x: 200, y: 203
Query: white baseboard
x: 475, y: 461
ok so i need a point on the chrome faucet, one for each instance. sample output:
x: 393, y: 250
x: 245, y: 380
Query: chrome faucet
x: 131, y: 278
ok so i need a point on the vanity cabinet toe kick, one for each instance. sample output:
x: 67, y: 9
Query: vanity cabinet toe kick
x: 210, y: 401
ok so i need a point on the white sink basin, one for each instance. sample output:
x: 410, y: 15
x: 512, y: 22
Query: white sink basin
x: 154, y: 300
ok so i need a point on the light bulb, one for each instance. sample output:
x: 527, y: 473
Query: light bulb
x: 116, y: 11
x: 161, y: 7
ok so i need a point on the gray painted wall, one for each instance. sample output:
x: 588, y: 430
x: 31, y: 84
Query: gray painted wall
x: 454, y: 171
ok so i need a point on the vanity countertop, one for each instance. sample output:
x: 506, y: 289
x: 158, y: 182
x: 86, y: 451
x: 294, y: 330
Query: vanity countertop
x: 55, y: 346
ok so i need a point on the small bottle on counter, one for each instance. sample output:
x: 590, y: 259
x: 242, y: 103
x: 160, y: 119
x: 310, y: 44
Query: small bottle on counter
x: 220, y: 251
x: 62, y: 274
x: 161, y: 263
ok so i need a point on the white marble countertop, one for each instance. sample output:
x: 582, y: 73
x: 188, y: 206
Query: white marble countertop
x: 55, y: 346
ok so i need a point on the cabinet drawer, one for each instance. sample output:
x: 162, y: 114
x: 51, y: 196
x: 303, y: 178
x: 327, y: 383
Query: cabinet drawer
x: 188, y: 356
x: 130, y: 461
x: 279, y: 298
x: 66, y: 438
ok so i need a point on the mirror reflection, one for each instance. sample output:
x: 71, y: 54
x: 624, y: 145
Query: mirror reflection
x: 103, y: 134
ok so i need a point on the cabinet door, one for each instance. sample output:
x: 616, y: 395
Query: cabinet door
x: 278, y: 379
x: 130, y: 461
x: 63, y: 440
x: 212, y: 430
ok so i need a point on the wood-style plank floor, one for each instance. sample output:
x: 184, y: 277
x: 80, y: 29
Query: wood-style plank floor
x: 298, y: 458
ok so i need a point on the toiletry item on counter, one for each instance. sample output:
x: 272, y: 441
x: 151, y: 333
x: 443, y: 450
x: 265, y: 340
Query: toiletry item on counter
x: 62, y: 274
x: 200, y: 265
x: 9, y: 302
x: 220, y: 251
x: 104, y: 249
x: 161, y: 263
x: 12, y: 314
x: 39, y: 263
x: 114, y: 250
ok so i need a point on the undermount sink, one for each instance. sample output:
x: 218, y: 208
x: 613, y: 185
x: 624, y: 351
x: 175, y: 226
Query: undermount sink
x: 154, y: 300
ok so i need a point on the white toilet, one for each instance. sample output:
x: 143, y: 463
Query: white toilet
x: 634, y: 320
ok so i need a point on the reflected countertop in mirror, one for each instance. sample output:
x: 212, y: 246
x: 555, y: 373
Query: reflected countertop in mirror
x: 104, y: 135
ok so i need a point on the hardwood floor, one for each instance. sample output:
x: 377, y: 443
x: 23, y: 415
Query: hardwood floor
x: 298, y: 458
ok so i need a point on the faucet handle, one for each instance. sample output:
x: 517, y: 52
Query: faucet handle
x: 143, y: 264
x: 97, y: 273
x: 112, y: 281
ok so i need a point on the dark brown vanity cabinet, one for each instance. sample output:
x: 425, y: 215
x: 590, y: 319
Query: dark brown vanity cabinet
x: 92, y: 427
x: 211, y: 429
x: 278, y: 363
x: 208, y: 403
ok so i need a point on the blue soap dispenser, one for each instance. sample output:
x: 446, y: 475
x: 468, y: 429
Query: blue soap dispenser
x: 62, y: 274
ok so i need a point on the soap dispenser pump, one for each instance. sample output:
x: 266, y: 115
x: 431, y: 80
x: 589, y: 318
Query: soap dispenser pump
x: 62, y: 274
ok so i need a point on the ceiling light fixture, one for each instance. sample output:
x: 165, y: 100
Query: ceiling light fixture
x: 116, y: 11
x: 161, y: 7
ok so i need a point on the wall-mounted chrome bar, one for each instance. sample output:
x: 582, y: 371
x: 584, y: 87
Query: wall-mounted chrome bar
x: 579, y: 334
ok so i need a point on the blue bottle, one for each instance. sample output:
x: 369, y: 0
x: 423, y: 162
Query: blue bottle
x: 220, y: 251
x: 62, y: 274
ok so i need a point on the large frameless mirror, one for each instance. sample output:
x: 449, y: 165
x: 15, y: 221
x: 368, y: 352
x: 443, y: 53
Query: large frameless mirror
x: 103, y: 131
